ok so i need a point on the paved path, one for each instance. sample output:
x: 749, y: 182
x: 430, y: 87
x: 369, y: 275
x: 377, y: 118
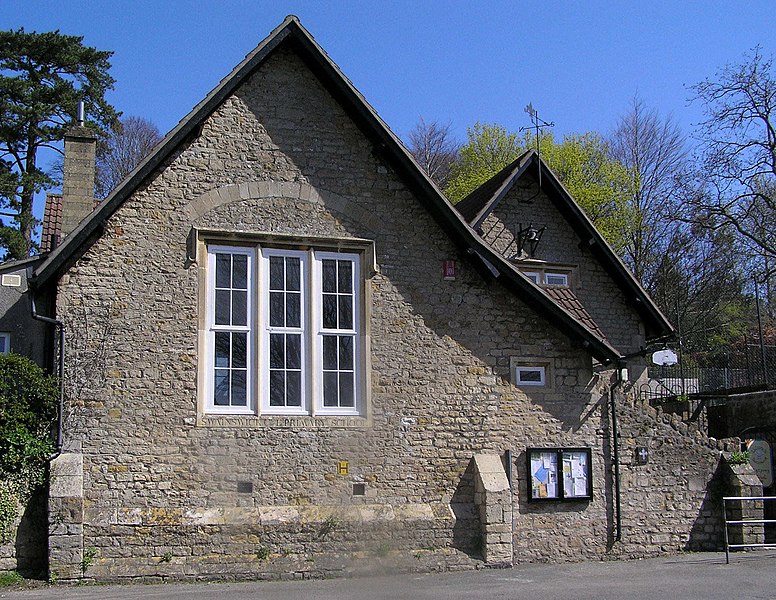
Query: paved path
x: 692, y: 576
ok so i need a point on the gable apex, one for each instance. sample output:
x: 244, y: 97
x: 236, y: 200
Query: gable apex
x: 386, y: 145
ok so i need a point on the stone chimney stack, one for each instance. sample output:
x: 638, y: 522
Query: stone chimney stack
x: 80, y: 166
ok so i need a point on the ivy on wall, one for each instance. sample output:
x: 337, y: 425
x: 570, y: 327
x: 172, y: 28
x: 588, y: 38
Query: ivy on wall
x: 28, y: 407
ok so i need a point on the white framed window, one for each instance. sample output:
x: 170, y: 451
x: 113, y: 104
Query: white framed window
x: 284, y: 325
x: 533, y: 276
x: 301, y: 331
x: 337, y: 326
x: 561, y: 279
x: 231, y: 329
x: 5, y: 342
x: 531, y: 376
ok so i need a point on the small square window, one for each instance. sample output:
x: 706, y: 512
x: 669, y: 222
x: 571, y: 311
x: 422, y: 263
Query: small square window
x: 535, y: 277
x: 556, y: 279
x: 529, y: 376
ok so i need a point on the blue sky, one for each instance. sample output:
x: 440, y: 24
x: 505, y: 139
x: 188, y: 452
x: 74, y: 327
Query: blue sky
x: 579, y: 63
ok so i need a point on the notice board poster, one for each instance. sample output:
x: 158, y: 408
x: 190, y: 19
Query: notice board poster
x: 544, y: 474
x: 559, y: 474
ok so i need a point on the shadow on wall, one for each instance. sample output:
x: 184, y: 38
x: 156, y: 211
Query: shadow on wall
x: 467, y: 533
x: 31, y: 543
x: 707, y: 532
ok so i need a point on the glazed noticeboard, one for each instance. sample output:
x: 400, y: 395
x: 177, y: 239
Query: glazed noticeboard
x: 559, y: 474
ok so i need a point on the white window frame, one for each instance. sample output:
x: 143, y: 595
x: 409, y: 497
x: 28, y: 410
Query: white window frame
x: 267, y: 330
x: 533, y: 276
x: 5, y: 342
x: 320, y: 331
x: 311, y: 329
x: 212, y: 328
x: 520, y: 369
x: 562, y: 276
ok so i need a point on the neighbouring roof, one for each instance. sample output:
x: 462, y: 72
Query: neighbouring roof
x: 51, y: 231
x: 482, y: 201
x: 291, y: 33
x: 19, y: 264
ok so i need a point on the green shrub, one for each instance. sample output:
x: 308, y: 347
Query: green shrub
x: 28, y: 409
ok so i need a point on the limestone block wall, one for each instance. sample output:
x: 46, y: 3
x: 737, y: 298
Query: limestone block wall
x: 560, y: 244
x: 171, y: 492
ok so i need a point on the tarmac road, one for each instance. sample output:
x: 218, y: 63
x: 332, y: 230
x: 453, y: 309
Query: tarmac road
x: 703, y: 576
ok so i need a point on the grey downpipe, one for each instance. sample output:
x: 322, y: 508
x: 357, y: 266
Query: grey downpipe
x: 61, y: 371
x: 616, y: 456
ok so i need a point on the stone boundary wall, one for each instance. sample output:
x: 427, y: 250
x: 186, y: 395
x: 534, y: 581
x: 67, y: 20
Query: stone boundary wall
x: 743, y: 411
x: 674, y: 501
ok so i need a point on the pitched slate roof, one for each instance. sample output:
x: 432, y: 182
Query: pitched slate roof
x: 482, y: 201
x: 386, y: 144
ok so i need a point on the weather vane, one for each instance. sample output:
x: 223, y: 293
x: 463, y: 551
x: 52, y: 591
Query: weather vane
x: 537, y: 124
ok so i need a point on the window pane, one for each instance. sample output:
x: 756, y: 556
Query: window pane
x: 294, y: 390
x: 240, y: 271
x: 221, y: 388
x: 239, y: 350
x: 330, y: 389
x: 276, y: 351
x: 345, y: 276
x: 346, y: 389
x: 293, y: 310
x: 276, y: 272
x: 277, y: 309
x: 223, y: 304
x: 293, y: 278
x: 239, y: 388
x: 346, y: 353
x: 532, y: 375
x: 223, y: 270
x: 345, y: 312
x: 293, y: 351
x: 239, y: 308
x: 330, y: 352
x: 222, y: 349
x: 329, y: 275
x: 277, y: 388
x: 329, y: 311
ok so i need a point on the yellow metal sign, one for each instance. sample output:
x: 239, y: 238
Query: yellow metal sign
x: 343, y: 467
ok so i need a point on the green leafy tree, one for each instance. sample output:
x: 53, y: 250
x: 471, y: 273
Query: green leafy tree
x: 582, y: 163
x: 43, y: 76
x: 488, y: 149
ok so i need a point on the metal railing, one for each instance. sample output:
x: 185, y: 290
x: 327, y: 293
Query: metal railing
x: 744, y: 522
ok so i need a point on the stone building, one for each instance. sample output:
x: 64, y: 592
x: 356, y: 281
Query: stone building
x: 289, y: 355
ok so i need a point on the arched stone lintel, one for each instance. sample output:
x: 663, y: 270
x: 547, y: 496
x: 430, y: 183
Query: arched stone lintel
x: 235, y: 192
x: 290, y: 190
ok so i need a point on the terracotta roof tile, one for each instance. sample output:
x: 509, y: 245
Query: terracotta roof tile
x: 568, y: 300
x: 52, y: 223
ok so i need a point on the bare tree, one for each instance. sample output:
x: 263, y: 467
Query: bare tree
x: 435, y: 150
x: 653, y: 150
x: 737, y: 176
x: 128, y: 143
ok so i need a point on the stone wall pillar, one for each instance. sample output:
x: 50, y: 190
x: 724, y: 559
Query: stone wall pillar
x: 66, y: 516
x: 493, y: 498
x: 741, y: 480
